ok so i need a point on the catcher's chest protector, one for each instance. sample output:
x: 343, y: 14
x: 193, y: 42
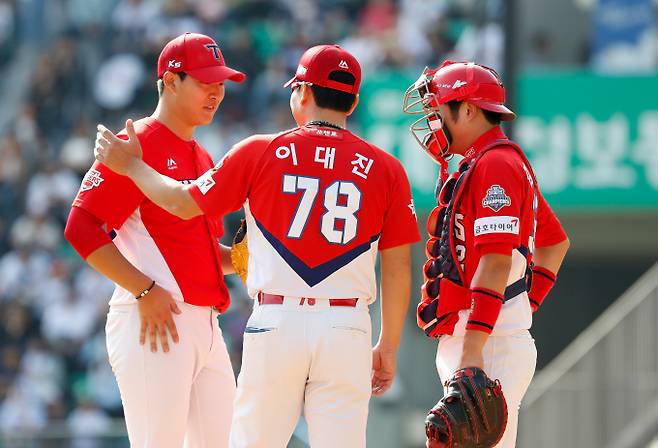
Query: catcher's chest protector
x: 447, y: 247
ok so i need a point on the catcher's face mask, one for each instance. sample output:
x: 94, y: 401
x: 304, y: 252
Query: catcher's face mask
x: 429, y: 131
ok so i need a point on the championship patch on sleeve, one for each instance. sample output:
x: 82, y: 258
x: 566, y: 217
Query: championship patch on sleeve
x: 496, y: 224
x: 205, y: 182
x: 496, y: 198
x: 91, y: 180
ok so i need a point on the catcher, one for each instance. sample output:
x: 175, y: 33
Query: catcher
x: 494, y: 250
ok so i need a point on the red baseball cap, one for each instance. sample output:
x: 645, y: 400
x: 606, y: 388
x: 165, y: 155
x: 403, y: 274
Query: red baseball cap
x: 199, y: 56
x: 318, y: 62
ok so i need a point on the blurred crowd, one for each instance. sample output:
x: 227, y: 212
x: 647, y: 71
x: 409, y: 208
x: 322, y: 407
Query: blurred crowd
x: 97, y: 63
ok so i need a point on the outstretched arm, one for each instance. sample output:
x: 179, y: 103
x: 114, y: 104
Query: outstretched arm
x: 125, y: 157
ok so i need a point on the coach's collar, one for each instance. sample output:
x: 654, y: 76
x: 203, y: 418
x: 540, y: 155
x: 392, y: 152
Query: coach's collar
x: 324, y: 124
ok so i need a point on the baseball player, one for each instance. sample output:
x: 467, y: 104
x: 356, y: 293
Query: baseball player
x: 168, y: 271
x: 320, y: 203
x: 491, y: 226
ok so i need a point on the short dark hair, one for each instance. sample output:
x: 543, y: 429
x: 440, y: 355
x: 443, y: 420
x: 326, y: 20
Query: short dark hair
x: 181, y: 75
x: 454, y: 106
x: 335, y: 99
x: 492, y: 117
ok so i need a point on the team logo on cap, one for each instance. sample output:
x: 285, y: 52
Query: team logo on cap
x: 458, y: 84
x: 343, y: 65
x: 496, y: 198
x: 301, y: 70
x: 214, y: 48
x: 174, y: 64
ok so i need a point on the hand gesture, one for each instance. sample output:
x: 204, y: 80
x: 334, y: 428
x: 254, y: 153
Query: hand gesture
x: 155, y: 311
x: 384, y: 360
x: 118, y: 154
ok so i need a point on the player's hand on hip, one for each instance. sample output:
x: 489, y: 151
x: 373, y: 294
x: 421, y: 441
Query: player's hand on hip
x: 117, y: 154
x: 384, y: 361
x: 155, y: 311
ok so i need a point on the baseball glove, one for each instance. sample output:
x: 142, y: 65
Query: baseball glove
x: 472, y: 413
x: 240, y: 252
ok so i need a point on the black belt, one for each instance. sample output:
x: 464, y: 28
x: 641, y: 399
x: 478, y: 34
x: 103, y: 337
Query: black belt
x: 515, y: 289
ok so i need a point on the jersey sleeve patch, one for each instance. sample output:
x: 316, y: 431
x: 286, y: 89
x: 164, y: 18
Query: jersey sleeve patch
x: 496, y: 224
x: 495, y: 198
x: 205, y: 182
x: 412, y: 207
x: 92, y: 179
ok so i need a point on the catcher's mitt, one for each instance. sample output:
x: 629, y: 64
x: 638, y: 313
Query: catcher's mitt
x: 472, y: 413
x: 240, y: 252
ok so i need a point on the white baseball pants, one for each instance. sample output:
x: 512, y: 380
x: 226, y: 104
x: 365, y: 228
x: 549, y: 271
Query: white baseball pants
x: 175, y: 399
x: 511, y: 359
x: 311, y: 357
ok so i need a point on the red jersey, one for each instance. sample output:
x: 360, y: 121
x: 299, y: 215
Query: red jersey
x: 182, y: 256
x: 319, y: 204
x: 495, y: 214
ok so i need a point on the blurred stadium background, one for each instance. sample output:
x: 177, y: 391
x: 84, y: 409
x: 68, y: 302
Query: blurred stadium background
x: 582, y: 74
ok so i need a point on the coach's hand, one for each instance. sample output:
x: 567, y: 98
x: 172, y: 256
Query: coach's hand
x: 384, y: 360
x: 118, y: 154
x: 155, y: 311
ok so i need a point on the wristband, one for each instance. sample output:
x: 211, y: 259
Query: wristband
x: 485, y: 308
x: 542, y: 282
x: 146, y: 291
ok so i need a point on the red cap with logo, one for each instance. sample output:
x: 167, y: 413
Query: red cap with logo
x: 317, y: 63
x: 199, y: 56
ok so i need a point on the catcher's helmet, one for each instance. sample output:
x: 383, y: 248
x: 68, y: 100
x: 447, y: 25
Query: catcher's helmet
x: 461, y: 81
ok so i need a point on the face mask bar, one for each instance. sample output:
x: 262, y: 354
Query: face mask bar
x: 415, y: 96
x: 428, y: 132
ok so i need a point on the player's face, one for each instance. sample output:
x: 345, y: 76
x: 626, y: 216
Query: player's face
x: 300, y: 100
x: 199, y: 101
x: 296, y: 104
x: 453, y: 125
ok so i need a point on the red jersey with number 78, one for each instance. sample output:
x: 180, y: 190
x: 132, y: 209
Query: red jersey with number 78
x: 319, y: 204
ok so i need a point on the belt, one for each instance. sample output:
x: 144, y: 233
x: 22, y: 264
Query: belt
x: 275, y: 299
x: 515, y: 289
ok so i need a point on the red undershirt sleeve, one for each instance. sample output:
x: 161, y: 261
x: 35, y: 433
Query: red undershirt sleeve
x: 85, y: 232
